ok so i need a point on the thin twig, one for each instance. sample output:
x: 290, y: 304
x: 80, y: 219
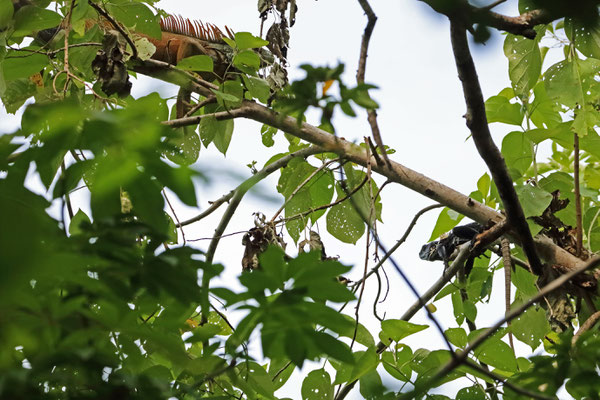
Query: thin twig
x: 247, y: 184
x: 300, y: 186
x: 579, y: 231
x: 586, y: 326
x: 461, y: 356
x: 200, y: 104
x: 241, y: 190
x: 400, y: 241
x: 507, y: 262
x: 116, y: 25
x: 366, y: 263
x: 326, y: 206
x: 506, y: 383
x: 360, y: 76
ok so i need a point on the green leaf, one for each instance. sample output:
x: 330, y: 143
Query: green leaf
x: 247, y: 58
x: 219, y: 132
x: 533, y: 199
x: 6, y: 13
x: 470, y: 310
x: 471, y: 393
x: 267, y: 132
x: 16, y: 93
x: 31, y: 19
x: 296, y: 205
x: 447, y: 220
x: 499, y: 109
x: 371, y: 386
x: 457, y: 336
x: 517, y: 150
x: 245, y: 40
x: 343, y: 222
x: 280, y: 371
x: 363, y: 99
x: 135, y: 15
x: 498, y: 354
x: 586, y: 37
x: 333, y: 347
x: 397, y: 329
x: 397, y: 363
x: 186, y: 146
x: 366, y: 361
x: 317, y: 386
x: 483, y: 184
x: 544, y: 111
x: 363, y: 336
x: 258, y: 88
x: 16, y: 65
x: 569, y: 82
x: 584, y: 122
x: 78, y: 219
x: 223, y: 138
x: 196, y: 63
x: 531, y: 327
x: 524, y: 62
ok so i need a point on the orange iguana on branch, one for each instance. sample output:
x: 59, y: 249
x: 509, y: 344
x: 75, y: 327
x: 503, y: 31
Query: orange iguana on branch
x: 181, y: 38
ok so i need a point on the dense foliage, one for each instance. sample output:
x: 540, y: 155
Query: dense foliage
x: 115, y: 305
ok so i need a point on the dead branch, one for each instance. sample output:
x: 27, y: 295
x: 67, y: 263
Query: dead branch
x: 360, y: 75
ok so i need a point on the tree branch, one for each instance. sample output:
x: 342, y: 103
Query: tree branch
x: 461, y: 356
x: 478, y: 125
x: 360, y: 75
x: 421, y: 301
x: 395, y: 172
x: 238, y: 193
x: 399, y: 242
x: 522, y: 25
x: 586, y: 326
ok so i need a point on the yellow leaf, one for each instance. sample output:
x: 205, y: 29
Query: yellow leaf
x: 431, y: 308
x: 37, y: 79
x: 191, y: 323
x: 327, y: 85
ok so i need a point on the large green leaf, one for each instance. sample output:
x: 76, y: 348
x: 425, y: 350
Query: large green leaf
x: 344, y: 222
x: 499, y: 109
x: 135, y: 15
x: 524, y: 62
x: 317, y: 386
x: 498, y: 354
x: 544, y: 110
x: 533, y: 199
x: 569, y: 82
x: 186, y: 146
x: 517, y: 151
x: 31, y: 19
x: 447, y: 220
x: 397, y: 329
x: 531, y: 327
x: 19, y: 65
x: 196, y: 63
x: 586, y: 37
